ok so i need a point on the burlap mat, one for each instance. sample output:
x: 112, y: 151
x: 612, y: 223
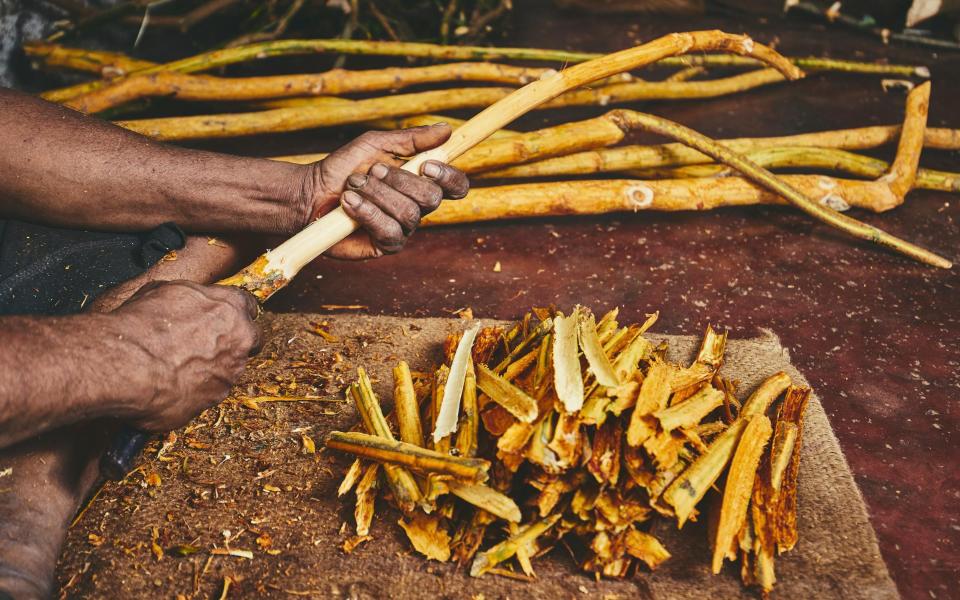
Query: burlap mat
x: 837, y: 555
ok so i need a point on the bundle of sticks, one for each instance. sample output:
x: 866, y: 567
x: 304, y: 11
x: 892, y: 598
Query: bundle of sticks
x: 693, y: 173
x: 577, y: 429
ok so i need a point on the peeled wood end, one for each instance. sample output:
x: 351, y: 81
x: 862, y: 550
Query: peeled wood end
x: 258, y: 279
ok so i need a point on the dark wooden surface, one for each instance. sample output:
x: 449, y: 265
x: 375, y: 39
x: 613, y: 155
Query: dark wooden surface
x: 875, y: 334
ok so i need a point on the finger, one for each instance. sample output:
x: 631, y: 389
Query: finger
x: 256, y: 341
x: 452, y: 180
x: 385, y: 233
x: 239, y: 298
x: 403, y: 209
x: 357, y: 246
x: 424, y: 192
x: 409, y: 142
x: 247, y: 301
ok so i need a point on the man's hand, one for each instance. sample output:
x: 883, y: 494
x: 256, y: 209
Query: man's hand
x: 196, y: 341
x: 388, y: 202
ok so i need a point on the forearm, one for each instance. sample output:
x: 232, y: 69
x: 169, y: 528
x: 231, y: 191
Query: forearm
x: 55, y: 371
x: 65, y: 169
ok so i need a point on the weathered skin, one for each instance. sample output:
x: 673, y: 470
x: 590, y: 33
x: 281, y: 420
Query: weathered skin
x: 156, y: 354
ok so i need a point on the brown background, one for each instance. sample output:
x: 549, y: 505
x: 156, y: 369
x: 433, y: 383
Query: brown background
x: 876, y: 335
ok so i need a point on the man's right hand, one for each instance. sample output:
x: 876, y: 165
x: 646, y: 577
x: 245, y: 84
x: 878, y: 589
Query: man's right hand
x: 195, y: 339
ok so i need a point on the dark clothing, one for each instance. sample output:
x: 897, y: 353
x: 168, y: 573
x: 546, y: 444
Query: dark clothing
x: 45, y: 270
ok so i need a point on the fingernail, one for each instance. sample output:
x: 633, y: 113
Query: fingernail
x: 379, y: 170
x: 441, y: 124
x: 352, y: 199
x: 431, y: 170
x: 357, y: 180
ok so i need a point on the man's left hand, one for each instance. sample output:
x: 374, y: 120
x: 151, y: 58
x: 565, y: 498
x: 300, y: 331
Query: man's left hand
x: 388, y: 202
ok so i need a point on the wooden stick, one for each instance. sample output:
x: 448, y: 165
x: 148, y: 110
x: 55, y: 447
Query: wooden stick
x: 596, y: 197
x: 404, y: 486
x: 739, y: 487
x: 471, y: 470
x: 391, y: 124
x: 830, y: 159
x: 629, y: 158
x: 601, y: 93
x: 307, y: 113
x: 104, y: 64
x: 405, y: 405
x: 331, y: 83
x: 274, y: 269
x: 687, y: 73
x: 218, y: 58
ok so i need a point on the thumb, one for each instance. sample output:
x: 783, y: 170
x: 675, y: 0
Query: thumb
x: 409, y: 142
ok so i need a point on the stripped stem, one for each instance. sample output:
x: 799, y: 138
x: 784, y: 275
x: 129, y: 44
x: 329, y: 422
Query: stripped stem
x: 469, y: 470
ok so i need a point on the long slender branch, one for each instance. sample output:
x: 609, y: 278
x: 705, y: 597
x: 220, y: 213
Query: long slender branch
x: 633, y: 157
x: 805, y: 157
x: 105, y: 64
x: 297, y: 114
x: 336, y: 82
x: 220, y: 58
x: 602, y: 196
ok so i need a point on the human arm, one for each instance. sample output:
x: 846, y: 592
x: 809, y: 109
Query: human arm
x: 61, y: 168
x: 170, y: 351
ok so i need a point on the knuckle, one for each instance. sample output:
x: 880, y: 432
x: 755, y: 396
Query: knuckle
x: 410, y: 217
x: 461, y: 185
x: 434, y: 196
x: 369, y: 213
x: 391, y: 239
